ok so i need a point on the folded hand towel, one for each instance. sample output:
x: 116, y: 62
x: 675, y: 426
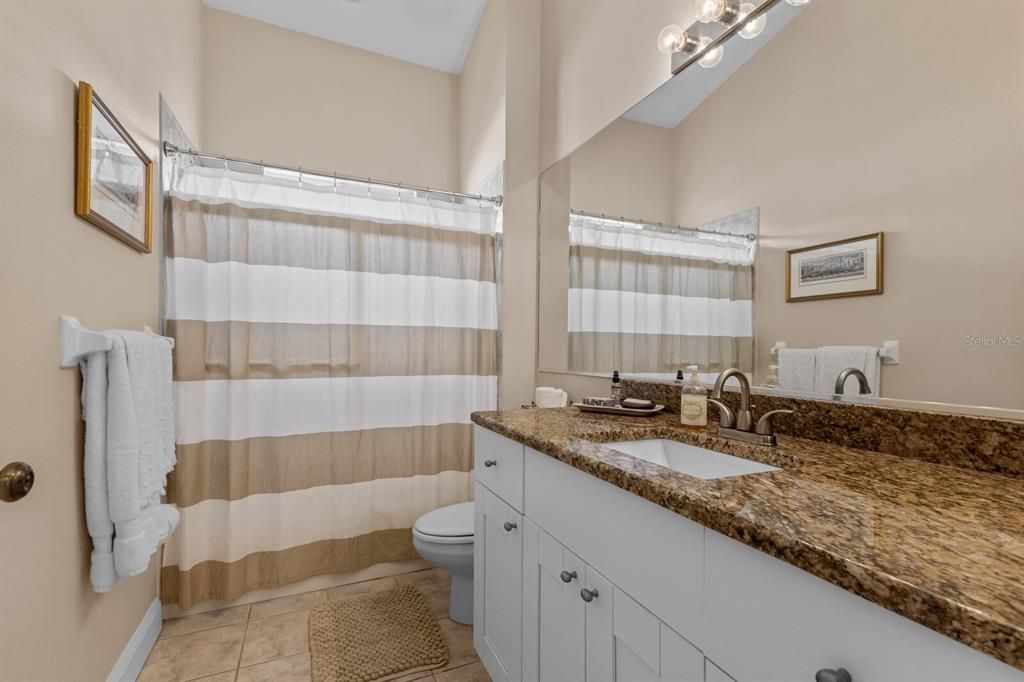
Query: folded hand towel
x: 797, y: 368
x: 832, y: 360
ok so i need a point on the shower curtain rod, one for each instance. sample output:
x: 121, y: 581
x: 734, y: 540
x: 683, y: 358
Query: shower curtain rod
x: 645, y: 223
x: 173, y: 150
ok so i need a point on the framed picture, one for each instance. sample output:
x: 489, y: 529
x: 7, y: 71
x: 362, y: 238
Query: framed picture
x: 113, y: 178
x: 849, y: 267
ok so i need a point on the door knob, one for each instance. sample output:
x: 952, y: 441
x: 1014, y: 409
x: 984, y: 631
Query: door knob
x: 490, y: 463
x: 588, y: 595
x: 829, y: 675
x: 16, y: 481
x: 509, y: 526
x: 567, y: 577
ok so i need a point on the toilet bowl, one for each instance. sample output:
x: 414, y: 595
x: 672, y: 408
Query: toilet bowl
x: 444, y: 537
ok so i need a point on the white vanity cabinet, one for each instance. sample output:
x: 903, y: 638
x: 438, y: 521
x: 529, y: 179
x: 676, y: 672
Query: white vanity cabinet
x: 577, y: 580
x: 578, y: 626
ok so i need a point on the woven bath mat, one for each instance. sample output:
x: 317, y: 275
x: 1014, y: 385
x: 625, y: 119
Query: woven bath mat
x: 375, y: 637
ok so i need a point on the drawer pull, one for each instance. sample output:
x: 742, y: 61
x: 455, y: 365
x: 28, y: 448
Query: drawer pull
x: 490, y: 463
x: 568, y: 577
x: 588, y: 595
x: 509, y: 526
x: 829, y: 675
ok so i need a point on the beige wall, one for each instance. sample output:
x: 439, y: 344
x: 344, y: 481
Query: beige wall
x: 598, y: 60
x: 283, y: 96
x: 867, y: 121
x: 52, y: 625
x: 482, y: 100
x: 627, y: 169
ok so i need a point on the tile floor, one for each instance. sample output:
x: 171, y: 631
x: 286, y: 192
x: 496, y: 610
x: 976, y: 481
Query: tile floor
x: 268, y: 641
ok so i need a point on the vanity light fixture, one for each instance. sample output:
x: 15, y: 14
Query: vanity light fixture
x: 722, y: 11
x: 673, y: 39
x: 711, y: 57
x: 752, y: 28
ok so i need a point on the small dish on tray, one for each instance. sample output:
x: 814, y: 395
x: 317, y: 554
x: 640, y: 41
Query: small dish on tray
x: 605, y: 406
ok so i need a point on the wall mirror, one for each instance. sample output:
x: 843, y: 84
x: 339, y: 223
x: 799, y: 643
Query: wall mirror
x: 860, y: 156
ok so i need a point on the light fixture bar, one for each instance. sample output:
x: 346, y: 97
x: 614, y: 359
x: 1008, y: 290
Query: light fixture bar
x: 682, y: 60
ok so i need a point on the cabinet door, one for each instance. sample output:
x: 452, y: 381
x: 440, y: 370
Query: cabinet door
x: 497, y: 586
x: 554, y: 626
x: 627, y: 643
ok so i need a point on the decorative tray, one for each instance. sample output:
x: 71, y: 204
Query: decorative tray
x: 601, y: 406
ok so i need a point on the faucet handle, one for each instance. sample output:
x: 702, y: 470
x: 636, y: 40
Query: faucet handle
x: 764, y: 424
x: 726, y: 417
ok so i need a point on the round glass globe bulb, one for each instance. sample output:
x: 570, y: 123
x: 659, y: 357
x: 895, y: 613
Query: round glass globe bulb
x: 711, y: 57
x: 669, y: 39
x: 752, y: 28
x: 797, y: 3
x: 709, y: 11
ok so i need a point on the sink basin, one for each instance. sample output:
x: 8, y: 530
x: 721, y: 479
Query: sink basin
x: 690, y: 459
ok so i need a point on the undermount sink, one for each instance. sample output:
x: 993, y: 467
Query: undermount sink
x: 690, y: 459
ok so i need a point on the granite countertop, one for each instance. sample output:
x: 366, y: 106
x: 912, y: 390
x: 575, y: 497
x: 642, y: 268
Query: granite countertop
x: 940, y: 545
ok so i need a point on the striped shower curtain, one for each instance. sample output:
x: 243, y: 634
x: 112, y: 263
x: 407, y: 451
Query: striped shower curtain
x: 331, y: 341
x: 649, y: 301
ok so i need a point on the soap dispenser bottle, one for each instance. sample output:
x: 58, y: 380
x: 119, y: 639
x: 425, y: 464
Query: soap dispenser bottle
x: 693, y: 406
x: 616, y: 388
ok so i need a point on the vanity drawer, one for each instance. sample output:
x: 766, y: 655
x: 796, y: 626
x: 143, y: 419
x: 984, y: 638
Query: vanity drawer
x: 767, y: 620
x: 653, y: 554
x: 498, y: 465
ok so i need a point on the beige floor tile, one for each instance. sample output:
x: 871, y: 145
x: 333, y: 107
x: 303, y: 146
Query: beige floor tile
x: 194, y: 655
x: 276, y: 637
x: 204, y: 621
x: 460, y: 643
x: 229, y: 676
x: 357, y: 589
x: 288, y: 669
x: 475, y: 672
x: 435, y: 585
x: 296, y: 602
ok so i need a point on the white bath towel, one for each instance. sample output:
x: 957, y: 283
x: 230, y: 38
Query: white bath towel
x: 797, y: 368
x: 129, y: 411
x: 832, y: 360
x: 97, y: 509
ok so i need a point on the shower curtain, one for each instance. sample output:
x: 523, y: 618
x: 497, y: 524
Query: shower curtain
x: 651, y: 301
x: 332, y: 339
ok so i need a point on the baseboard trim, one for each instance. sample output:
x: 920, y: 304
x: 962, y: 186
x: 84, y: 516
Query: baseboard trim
x: 133, y: 657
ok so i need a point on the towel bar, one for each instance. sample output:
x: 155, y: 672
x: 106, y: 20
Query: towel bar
x: 888, y: 352
x: 76, y: 341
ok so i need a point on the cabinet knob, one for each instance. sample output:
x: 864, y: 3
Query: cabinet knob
x: 829, y: 675
x: 509, y: 526
x: 16, y: 480
x: 490, y: 463
x: 588, y: 595
x: 568, y: 577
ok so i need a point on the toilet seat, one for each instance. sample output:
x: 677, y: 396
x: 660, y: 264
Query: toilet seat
x: 451, y: 525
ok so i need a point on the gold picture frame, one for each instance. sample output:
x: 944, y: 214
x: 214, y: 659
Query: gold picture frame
x: 839, y: 269
x: 113, y: 177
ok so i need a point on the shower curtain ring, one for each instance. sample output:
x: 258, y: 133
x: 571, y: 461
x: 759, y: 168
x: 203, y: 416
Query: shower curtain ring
x: 335, y: 182
x: 300, y: 176
x: 224, y: 158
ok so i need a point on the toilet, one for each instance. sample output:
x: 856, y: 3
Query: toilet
x: 444, y: 537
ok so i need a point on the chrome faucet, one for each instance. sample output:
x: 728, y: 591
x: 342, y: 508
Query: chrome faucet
x: 846, y: 374
x: 740, y: 425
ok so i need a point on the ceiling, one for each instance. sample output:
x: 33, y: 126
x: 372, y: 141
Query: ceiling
x: 432, y: 33
x: 679, y: 96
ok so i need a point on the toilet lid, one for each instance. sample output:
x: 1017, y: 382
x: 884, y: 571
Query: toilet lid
x: 455, y: 520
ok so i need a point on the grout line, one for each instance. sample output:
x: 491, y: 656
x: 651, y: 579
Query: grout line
x: 241, y: 649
